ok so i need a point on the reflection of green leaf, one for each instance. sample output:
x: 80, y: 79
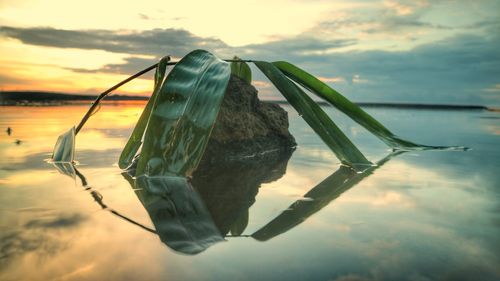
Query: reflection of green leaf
x: 64, y: 150
x: 241, y: 70
x: 318, y: 197
x: 319, y: 121
x: 240, y: 224
x: 178, y: 213
x: 135, y: 140
x: 183, y: 115
x: 65, y: 168
x: 322, y: 90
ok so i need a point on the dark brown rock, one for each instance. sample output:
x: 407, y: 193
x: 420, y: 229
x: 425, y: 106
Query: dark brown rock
x: 247, y: 127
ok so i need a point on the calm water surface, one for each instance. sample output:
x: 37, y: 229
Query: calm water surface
x: 432, y: 215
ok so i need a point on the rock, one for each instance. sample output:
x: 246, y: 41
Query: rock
x: 246, y: 130
x: 247, y: 127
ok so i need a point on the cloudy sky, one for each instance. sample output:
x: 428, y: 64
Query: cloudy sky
x: 443, y: 51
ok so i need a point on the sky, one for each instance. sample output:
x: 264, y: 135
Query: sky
x: 443, y: 51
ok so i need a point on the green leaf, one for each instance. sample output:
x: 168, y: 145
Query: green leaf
x: 322, y: 90
x: 319, y: 121
x: 135, y: 140
x: 64, y: 150
x: 183, y: 116
x: 241, y: 70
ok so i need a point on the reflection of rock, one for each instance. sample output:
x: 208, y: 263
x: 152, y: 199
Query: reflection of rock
x: 228, y: 188
x: 245, y: 126
x: 188, y: 219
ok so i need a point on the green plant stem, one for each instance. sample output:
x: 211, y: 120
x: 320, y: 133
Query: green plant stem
x: 105, y: 93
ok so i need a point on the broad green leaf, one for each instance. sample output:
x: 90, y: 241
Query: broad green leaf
x: 317, y: 198
x: 241, y: 70
x: 64, y: 150
x: 319, y: 121
x: 135, y: 140
x: 183, y: 116
x: 322, y: 90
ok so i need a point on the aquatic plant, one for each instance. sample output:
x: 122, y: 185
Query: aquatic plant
x: 173, y: 130
x: 170, y: 137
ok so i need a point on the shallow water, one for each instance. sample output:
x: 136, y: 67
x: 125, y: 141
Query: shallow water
x: 426, y: 215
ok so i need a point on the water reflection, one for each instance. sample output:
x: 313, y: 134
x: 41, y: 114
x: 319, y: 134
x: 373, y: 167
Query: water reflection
x: 318, y: 197
x: 36, y: 235
x: 177, y: 212
x: 421, y: 216
x: 229, y: 188
x: 70, y: 170
x: 190, y: 215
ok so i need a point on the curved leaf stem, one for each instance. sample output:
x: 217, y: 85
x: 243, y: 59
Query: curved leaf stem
x: 105, y: 93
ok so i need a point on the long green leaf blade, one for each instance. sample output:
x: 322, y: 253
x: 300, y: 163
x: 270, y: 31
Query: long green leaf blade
x: 319, y: 121
x: 322, y: 90
x: 183, y: 116
x: 241, y: 70
x: 135, y: 140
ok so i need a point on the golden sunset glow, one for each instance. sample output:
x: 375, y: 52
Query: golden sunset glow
x: 237, y: 23
x: 86, y: 47
x: 49, y: 69
x: 384, y: 169
x: 93, y: 138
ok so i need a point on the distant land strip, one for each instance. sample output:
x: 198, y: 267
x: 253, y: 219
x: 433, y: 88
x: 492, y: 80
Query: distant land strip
x: 34, y: 96
x: 50, y: 98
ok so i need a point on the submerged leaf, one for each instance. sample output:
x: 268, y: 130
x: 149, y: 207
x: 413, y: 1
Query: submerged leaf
x: 319, y: 121
x: 241, y: 70
x: 183, y: 116
x: 64, y: 150
x: 135, y: 140
x: 352, y: 110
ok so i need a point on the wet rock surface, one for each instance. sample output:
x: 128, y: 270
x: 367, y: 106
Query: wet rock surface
x: 247, y: 128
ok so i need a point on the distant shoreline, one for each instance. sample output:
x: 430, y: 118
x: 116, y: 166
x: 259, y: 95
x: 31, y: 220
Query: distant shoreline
x: 53, y: 96
x: 39, y: 98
